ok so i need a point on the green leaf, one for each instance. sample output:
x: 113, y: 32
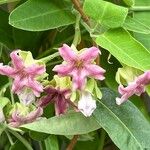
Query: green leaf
x: 144, y: 18
x: 51, y: 143
x: 2, y: 128
x: 7, y: 1
x: 44, y: 15
x: 125, y: 124
x: 136, y: 25
x: 5, y: 30
x: 3, y: 102
x: 105, y: 13
x: 125, y: 48
x: 129, y: 2
x: 69, y: 124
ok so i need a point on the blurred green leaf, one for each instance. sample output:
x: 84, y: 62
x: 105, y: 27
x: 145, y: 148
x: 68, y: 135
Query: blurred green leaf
x: 37, y: 15
x: 7, y: 1
x: 125, y: 48
x: 17, y: 146
x: 69, y: 124
x: 51, y: 143
x: 38, y: 136
x: 105, y: 13
x: 5, y: 30
x: 125, y: 124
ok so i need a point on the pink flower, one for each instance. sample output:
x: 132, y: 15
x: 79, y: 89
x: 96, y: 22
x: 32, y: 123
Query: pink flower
x: 79, y: 66
x: 58, y: 97
x: 24, y: 76
x: 136, y: 87
x: 18, y: 120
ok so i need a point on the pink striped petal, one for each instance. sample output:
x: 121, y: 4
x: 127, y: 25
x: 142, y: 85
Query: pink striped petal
x: 89, y: 54
x: 34, y: 115
x: 6, y: 70
x: 144, y: 79
x: 16, y: 60
x: 67, y: 53
x: 79, y: 79
x: 18, y: 84
x: 35, y: 86
x: 63, y: 70
x: 95, y: 71
x: 35, y: 69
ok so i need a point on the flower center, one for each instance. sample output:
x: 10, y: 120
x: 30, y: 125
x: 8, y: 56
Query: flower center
x: 79, y: 64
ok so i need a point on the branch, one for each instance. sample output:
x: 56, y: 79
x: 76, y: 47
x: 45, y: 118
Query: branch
x: 73, y: 142
x: 78, y: 7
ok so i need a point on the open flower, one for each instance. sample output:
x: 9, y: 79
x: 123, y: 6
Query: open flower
x: 24, y: 76
x: 17, y: 119
x: 58, y: 97
x: 136, y: 87
x: 86, y: 104
x: 79, y: 66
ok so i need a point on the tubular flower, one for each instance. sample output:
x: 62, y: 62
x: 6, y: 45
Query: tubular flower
x: 24, y: 76
x: 18, y: 120
x: 136, y: 87
x: 58, y: 97
x: 86, y: 104
x: 79, y: 66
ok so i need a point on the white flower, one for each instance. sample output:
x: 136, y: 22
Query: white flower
x: 26, y: 96
x: 86, y: 104
x: 2, y: 118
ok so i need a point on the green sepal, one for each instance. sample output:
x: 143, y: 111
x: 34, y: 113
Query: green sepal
x: 127, y: 74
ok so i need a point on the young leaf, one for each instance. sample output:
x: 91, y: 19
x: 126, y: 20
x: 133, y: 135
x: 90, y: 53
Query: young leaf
x: 44, y: 15
x: 105, y: 13
x: 136, y: 25
x: 125, y: 124
x: 69, y: 124
x: 125, y: 48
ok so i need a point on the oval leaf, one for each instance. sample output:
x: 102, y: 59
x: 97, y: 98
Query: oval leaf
x: 125, y: 124
x: 105, y: 13
x: 39, y: 15
x: 125, y: 48
x: 135, y: 25
x: 69, y: 124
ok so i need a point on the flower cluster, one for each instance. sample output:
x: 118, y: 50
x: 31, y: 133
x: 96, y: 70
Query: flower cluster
x: 80, y: 65
x: 27, y: 82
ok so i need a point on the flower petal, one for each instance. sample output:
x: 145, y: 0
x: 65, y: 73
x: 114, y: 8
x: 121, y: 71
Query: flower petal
x: 67, y: 53
x: 6, y: 70
x: 60, y: 105
x: 16, y: 60
x: 79, y: 78
x: 18, y: 84
x: 63, y: 70
x: 89, y: 54
x: 86, y: 104
x: 95, y: 71
x: 35, y: 86
x: 34, y: 115
x: 35, y: 69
